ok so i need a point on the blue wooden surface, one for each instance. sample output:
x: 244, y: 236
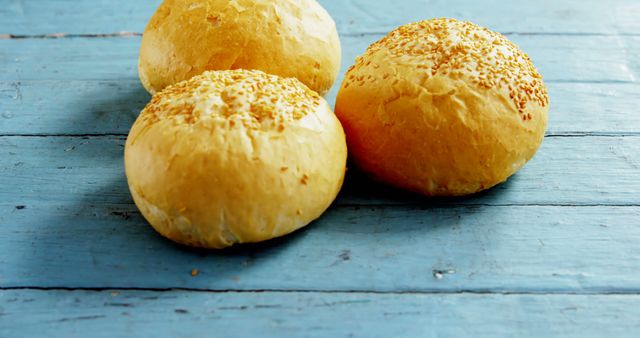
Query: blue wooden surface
x: 295, y: 314
x: 554, y: 252
x: 32, y: 17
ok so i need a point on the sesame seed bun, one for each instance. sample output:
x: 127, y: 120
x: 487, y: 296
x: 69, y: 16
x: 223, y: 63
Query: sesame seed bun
x: 234, y: 157
x: 289, y: 38
x: 443, y: 108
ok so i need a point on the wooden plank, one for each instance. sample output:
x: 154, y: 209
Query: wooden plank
x: 352, y: 16
x: 94, y: 78
x: 545, y: 16
x: 71, y: 107
x: 567, y: 170
x: 193, y: 314
x: 22, y: 17
x: 558, y: 239
x: 110, y: 107
x: 69, y: 59
x: 560, y: 58
x: 89, y: 244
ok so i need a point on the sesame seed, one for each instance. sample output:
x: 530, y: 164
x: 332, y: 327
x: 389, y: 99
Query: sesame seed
x: 452, y: 48
x: 252, y: 98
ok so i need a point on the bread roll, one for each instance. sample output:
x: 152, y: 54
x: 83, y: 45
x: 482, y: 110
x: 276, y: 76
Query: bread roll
x: 289, y: 38
x: 443, y: 108
x: 234, y: 157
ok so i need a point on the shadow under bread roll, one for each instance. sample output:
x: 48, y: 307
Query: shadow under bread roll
x: 444, y: 108
x: 234, y: 157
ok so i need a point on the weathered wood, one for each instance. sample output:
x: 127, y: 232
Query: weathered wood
x: 560, y: 58
x: 551, y: 253
x: 110, y: 107
x: 352, y: 16
x: 567, y: 170
x: 195, y: 314
x: 86, y: 243
x: 80, y: 107
x: 94, y: 82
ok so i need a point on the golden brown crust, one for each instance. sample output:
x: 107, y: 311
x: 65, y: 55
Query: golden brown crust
x: 289, y: 38
x: 234, y: 157
x: 443, y: 107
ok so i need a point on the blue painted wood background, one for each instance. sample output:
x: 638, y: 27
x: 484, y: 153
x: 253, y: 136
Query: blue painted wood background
x: 553, y: 252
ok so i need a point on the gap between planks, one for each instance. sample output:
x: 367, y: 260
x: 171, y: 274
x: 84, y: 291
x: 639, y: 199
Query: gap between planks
x: 362, y: 34
x: 124, y: 136
x: 136, y: 80
x: 611, y: 292
x: 419, y: 205
x: 68, y: 35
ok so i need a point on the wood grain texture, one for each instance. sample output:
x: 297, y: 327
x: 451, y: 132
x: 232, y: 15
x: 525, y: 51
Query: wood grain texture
x: 552, y: 253
x: 22, y: 17
x: 95, y: 83
x: 191, y: 314
x: 80, y: 107
x: 566, y: 171
x: 445, y: 248
x: 110, y: 107
x: 560, y: 58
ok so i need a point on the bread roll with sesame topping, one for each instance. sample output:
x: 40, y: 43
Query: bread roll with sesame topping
x: 234, y: 157
x: 443, y: 108
x: 289, y: 38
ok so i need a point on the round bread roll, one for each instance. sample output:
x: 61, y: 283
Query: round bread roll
x: 289, y: 38
x: 234, y: 157
x: 443, y: 108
